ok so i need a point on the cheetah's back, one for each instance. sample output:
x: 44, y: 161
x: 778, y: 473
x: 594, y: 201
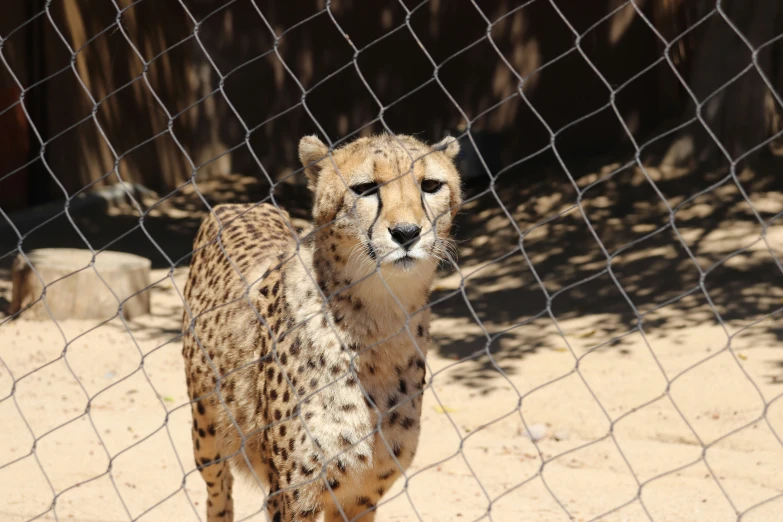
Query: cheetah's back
x: 236, y: 245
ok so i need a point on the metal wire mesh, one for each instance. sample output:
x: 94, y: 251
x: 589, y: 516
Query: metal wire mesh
x: 732, y: 178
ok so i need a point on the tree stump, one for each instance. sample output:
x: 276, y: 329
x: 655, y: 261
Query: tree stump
x: 73, y: 288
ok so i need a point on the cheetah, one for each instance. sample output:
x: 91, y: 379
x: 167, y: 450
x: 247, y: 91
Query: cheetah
x: 305, y: 351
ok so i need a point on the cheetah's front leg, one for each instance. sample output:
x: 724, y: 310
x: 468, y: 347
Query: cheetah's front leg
x: 217, y: 475
x: 362, y: 509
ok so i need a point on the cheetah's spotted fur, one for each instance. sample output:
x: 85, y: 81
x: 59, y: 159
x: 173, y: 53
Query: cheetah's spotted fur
x: 318, y: 399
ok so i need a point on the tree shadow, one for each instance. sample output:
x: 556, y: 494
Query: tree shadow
x: 534, y: 252
x: 530, y: 251
x: 163, y: 232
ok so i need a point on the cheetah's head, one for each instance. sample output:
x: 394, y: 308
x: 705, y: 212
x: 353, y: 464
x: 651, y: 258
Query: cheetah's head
x: 384, y: 199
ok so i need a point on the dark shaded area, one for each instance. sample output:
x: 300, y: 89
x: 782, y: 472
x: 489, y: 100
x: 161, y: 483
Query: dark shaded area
x: 649, y: 261
x: 261, y: 74
x: 627, y: 215
x: 165, y: 234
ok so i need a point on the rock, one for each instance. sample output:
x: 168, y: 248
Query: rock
x: 536, y: 432
x: 73, y: 288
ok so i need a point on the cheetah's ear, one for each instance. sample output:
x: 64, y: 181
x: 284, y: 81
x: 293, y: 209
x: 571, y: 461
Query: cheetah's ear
x: 448, y: 145
x: 311, y: 153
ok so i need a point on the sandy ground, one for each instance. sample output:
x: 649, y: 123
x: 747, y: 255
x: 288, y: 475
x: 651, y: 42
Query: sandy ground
x: 676, y: 420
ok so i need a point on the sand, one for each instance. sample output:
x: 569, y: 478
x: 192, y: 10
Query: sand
x: 661, y: 411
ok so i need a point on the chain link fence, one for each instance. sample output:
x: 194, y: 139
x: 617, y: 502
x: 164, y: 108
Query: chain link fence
x: 524, y: 469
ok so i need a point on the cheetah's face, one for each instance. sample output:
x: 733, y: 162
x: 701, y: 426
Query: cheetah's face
x: 388, y: 199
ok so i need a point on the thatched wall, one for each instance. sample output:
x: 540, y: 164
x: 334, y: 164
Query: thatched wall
x: 132, y: 96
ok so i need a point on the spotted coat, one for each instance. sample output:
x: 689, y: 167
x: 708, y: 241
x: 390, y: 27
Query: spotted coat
x: 306, y: 366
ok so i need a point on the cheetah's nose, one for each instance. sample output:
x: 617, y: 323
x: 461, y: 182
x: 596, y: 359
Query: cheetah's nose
x: 405, y: 234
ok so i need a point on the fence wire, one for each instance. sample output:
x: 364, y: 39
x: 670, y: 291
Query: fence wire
x: 187, y: 469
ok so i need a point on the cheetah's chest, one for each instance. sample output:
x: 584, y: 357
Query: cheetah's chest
x: 383, y: 435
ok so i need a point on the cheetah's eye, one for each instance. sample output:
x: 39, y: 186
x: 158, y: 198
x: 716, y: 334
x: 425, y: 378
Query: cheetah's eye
x: 431, y: 186
x: 365, y: 189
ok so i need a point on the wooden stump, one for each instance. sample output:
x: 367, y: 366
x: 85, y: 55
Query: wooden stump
x: 74, y: 290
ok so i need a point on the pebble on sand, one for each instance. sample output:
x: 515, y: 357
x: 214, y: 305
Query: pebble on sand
x: 535, y: 432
